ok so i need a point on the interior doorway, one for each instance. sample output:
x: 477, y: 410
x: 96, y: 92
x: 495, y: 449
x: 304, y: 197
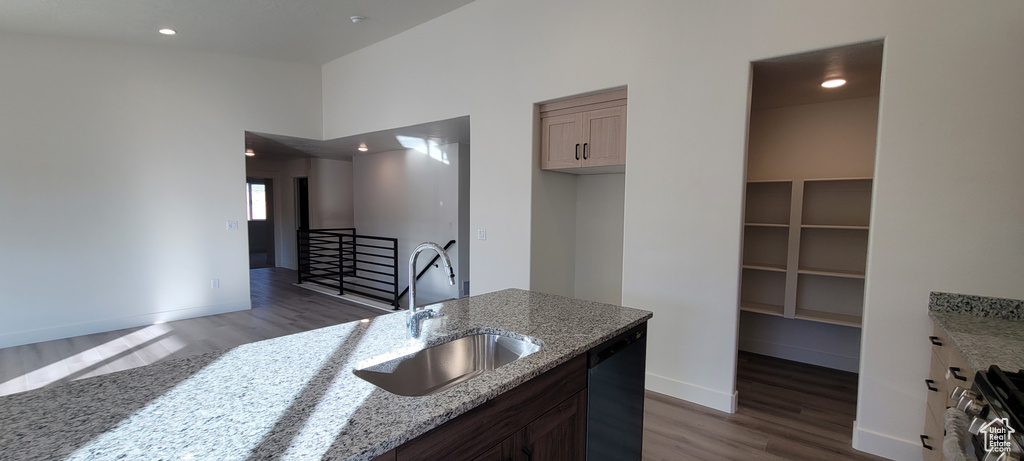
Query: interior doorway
x: 811, y: 145
x: 302, y: 202
x: 259, y: 194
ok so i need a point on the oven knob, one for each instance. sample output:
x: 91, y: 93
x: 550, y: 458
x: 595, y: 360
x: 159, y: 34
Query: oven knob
x: 1001, y: 456
x: 976, y: 424
x: 960, y: 392
x: 969, y: 406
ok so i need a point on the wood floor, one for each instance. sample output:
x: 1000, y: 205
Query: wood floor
x: 278, y: 308
x: 787, y: 410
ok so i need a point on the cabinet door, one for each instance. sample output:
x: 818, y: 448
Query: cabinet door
x: 931, y: 440
x: 501, y: 452
x: 958, y: 373
x: 561, y: 141
x: 604, y: 136
x: 558, y: 435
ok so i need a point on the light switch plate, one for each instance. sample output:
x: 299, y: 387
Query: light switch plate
x: 232, y: 225
x: 481, y: 234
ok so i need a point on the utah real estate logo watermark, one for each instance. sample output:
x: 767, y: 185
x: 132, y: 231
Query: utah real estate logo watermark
x: 997, y: 435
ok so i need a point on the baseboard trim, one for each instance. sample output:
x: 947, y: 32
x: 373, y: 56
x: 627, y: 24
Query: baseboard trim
x: 884, y: 445
x: 19, y: 338
x: 796, y: 354
x: 692, y: 393
x: 348, y: 297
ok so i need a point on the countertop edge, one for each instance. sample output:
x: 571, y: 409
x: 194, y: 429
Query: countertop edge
x: 984, y: 341
x: 411, y: 434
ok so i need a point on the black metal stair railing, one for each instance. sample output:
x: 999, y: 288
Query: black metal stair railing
x: 341, y: 259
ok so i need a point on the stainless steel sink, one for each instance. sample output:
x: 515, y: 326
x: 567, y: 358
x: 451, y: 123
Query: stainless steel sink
x: 442, y: 366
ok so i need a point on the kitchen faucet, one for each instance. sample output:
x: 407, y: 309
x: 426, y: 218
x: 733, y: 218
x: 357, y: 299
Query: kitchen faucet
x: 415, y: 318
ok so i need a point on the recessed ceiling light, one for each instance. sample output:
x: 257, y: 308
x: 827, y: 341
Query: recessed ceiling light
x: 833, y: 83
x: 362, y: 148
x: 249, y: 153
x: 168, y: 31
x: 357, y: 19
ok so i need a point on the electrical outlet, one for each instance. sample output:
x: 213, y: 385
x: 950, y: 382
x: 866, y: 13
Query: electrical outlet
x: 214, y: 283
x: 232, y: 225
x: 481, y: 234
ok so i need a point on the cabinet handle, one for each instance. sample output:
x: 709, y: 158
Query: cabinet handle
x: 929, y: 382
x: 584, y: 151
x: 578, y: 156
x: 955, y: 371
x: 924, y: 442
x: 526, y: 451
x: 934, y: 339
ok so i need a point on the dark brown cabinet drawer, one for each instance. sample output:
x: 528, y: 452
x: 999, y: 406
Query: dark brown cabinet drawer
x: 481, y: 432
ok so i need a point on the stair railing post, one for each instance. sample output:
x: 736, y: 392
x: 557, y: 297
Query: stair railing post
x: 298, y: 246
x: 394, y: 263
x: 341, y: 264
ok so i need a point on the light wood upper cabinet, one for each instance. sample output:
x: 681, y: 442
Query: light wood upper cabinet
x: 578, y: 135
x: 604, y: 137
x: 561, y: 140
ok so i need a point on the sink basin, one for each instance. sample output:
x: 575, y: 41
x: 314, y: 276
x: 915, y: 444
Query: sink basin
x: 442, y: 366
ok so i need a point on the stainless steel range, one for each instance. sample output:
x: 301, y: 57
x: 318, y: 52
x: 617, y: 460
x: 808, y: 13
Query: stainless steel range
x: 995, y: 408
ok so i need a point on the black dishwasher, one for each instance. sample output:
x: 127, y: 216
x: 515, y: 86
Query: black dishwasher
x: 615, y: 397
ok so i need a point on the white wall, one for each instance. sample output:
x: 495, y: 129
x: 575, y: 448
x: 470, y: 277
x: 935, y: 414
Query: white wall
x: 119, y: 167
x: 834, y: 139
x: 553, y: 234
x: 600, y: 203
x: 413, y: 196
x: 462, y: 248
x: 946, y: 214
x: 576, y: 240
x: 822, y: 344
x: 330, y: 194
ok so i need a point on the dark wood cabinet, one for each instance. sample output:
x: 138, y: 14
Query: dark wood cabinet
x: 541, y: 419
x: 503, y: 451
x: 558, y: 435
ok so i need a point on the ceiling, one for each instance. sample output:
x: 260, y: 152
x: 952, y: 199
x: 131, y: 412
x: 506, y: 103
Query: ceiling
x: 796, y: 79
x: 273, y: 147
x: 310, y: 31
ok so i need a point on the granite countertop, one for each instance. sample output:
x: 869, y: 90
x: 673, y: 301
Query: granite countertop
x: 987, y: 331
x: 295, y: 397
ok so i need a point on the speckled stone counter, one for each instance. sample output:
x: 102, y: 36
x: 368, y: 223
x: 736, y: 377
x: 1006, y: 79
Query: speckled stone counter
x: 987, y: 331
x: 295, y: 397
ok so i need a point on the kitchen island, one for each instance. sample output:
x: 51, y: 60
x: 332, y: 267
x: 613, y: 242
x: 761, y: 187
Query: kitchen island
x: 295, y: 397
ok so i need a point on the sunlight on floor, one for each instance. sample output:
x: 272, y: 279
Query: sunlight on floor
x: 150, y: 344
